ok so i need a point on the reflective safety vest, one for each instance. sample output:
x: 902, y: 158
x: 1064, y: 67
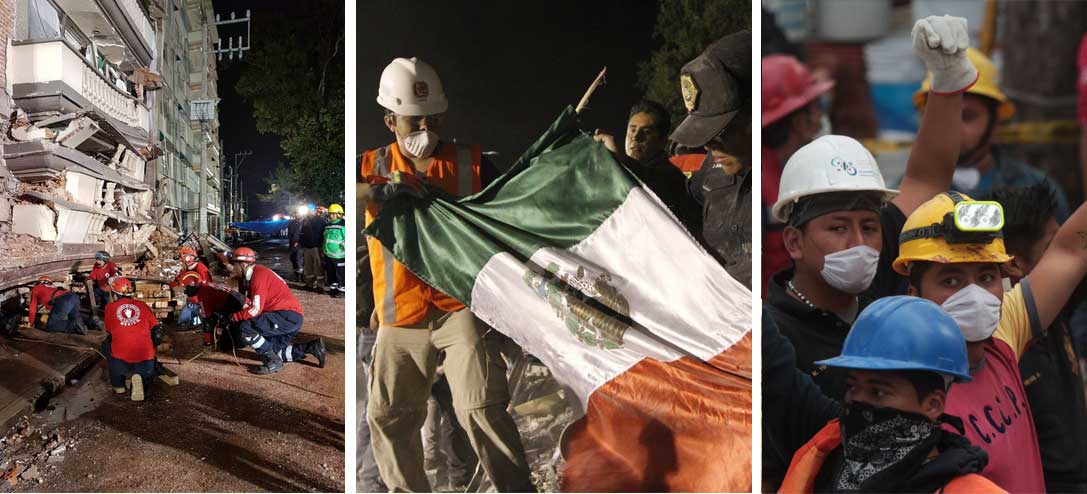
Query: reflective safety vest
x: 334, y: 240
x: 400, y: 298
x: 808, y: 461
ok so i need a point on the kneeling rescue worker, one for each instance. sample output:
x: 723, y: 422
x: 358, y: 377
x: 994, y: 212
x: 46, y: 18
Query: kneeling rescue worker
x: 271, y: 317
x: 902, y: 355
x: 133, y: 333
x: 63, y: 307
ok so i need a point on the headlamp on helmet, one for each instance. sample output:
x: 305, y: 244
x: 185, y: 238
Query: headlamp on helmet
x: 969, y: 222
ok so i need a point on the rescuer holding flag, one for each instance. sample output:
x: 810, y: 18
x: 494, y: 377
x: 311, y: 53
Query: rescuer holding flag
x: 414, y: 321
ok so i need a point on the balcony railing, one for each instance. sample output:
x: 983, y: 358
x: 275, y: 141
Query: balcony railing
x: 55, y: 61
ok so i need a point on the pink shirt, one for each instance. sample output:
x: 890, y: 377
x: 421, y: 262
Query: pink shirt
x: 993, y: 407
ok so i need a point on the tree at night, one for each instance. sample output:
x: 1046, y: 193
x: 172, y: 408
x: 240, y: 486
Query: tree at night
x: 294, y: 78
x: 685, y: 28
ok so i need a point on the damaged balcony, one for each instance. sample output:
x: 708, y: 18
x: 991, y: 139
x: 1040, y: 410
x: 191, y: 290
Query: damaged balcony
x: 49, y: 79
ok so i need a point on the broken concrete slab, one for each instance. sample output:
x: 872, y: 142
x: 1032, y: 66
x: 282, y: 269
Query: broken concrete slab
x: 33, y: 371
x: 36, y: 161
x: 35, y: 220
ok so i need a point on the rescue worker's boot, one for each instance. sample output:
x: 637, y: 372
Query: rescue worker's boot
x: 272, y: 364
x: 317, y: 349
x: 79, y: 328
x: 137, y: 387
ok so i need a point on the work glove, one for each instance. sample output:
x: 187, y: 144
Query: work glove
x: 941, y: 42
x: 399, y: 184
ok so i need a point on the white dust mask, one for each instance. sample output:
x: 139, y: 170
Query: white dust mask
x: 966, y: 178
x: 851, y: 270
x: 975, y: 310
x: 418, y: 144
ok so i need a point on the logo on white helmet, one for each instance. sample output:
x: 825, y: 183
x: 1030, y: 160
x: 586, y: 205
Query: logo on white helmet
x: 128, y: 314
x: 422, y: 91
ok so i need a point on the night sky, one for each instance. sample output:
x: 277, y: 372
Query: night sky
x: 237, y: 129
x: 508, y: 68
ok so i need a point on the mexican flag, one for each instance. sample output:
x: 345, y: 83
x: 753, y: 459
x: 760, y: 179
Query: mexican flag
x: 580, y: 264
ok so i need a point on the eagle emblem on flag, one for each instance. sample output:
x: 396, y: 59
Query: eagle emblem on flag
x: 592, y: 308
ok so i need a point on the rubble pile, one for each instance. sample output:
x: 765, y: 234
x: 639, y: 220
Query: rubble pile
x: 29, y: 452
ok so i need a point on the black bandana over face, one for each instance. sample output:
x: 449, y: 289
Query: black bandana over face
x: 883, y: 447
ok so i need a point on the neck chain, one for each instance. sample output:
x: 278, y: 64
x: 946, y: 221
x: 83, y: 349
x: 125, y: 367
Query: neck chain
x: 798, y: 294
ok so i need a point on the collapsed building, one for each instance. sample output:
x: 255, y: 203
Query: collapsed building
x: 100, y: 148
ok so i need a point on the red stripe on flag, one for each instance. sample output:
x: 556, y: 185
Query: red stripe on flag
x: 666, y: 426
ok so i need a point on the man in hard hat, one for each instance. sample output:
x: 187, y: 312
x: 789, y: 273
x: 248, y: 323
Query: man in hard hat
x: 103, y: 270
x: 217, y: 303
x: 335, y: 251
x: 130, y: 347
x: 271, y: 316
x: 842, y: 222
x: 311, y: 239
x: 415, y: 321
x: 902, y: 357
x: 952, y: 250
x: 983, y: 165
x: 1050, y: 366
x: 792, y: 116
x: 190, y: 313
x: 645, y: 154
x: 62, y: 305
x: 716, y: 89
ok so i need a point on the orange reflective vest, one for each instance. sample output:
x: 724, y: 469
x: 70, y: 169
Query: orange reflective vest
x: 400, y: 298
x: 808, y: 460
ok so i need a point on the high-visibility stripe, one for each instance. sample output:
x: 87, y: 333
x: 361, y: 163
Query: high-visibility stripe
x: 287, y: 352
x: 257, y: 342
x: 389, y: 301
x: 464, y: 171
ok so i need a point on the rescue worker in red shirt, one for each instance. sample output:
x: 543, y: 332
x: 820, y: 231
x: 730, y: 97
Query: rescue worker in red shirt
x: 190, y: 313
x: 271, y: 316
x: 133, y: 333
x: 902, y: 356
x: 63, y: 307
x: 216, y: 302
x: 101, y: 273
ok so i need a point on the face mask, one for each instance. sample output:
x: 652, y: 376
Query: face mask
x: 418, y: 144
x: 882, y: 445
x: 851, y: 270
x: 966, y: 178
x: 975, y: 310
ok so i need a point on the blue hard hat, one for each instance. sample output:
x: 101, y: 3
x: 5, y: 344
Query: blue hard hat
x: 907, y: 334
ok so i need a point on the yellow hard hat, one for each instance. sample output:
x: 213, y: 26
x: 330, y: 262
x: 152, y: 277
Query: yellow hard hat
x: 932, y: 234
x: 335, y: 209
x: 988, y: 85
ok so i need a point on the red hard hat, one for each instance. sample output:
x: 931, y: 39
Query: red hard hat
x: 45, y: 279
x: 787, y: 85
x: 121, y: 284
x: 191, y: 278
x: 187, y: 251
x: 244, y: 254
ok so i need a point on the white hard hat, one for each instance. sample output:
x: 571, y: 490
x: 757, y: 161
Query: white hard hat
x: 828, y: 164
x: 411, y: 87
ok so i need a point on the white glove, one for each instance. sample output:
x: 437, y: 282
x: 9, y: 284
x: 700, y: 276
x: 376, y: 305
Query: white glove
x: 941, y: 42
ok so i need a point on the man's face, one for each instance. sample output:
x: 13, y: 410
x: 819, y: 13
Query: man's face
x: 99, y: 263
x: 888, y: 389
x: 403, y: 125
x: 940, y: 281
x: 336, y: 216
x: 644, y: 141
x: 809, y: 122
x: 974, y: 124
x: 732, y: 148
x: 830, y: 233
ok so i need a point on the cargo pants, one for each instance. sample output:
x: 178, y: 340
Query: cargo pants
x: 402, y: 373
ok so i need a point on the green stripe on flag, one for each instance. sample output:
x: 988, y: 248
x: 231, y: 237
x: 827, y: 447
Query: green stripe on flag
x: 560, y: 191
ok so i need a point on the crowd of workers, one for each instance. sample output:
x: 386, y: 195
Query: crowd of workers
x: 917, y: 339
x: 428, y: 360
x: 318, y: 249
x: 251, y: 307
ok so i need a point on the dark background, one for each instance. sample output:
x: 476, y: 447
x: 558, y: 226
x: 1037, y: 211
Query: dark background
x: 237, y: 129
x: 508, y: 68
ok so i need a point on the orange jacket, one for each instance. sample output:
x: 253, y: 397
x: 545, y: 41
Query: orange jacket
x: 404, y: 299
x: 808, y: 461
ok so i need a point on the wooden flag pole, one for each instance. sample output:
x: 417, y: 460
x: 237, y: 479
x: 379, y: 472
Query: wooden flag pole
x: 592, y: 87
